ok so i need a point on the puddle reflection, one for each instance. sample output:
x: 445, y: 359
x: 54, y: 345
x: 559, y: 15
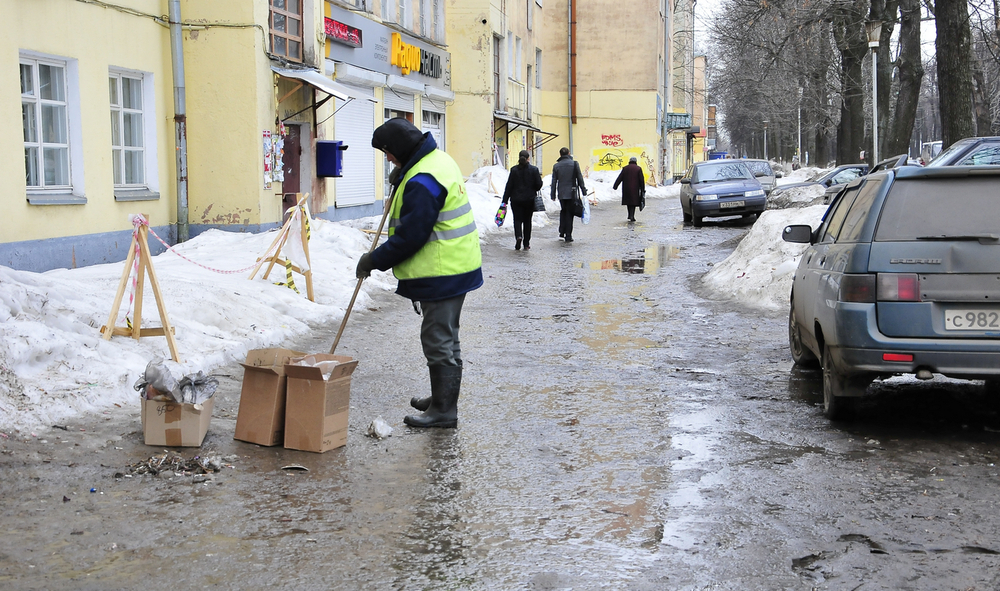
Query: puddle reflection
x: 648, y: 262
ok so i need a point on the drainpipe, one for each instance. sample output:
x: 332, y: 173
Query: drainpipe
x: 180, y: 118
x: 571, y: 75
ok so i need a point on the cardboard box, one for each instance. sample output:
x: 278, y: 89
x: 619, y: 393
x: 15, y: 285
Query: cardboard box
x: 317, y: 405
x: 261, y: 418
x: 173, y: 424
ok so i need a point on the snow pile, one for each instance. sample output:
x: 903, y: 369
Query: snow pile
x: 760, y: 271
x: 54, y: 362
x: 797, y: 197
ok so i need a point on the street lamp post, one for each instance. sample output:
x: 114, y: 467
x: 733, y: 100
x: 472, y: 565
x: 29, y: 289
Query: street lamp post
x: 798, y: 151
x: 765, y: 139
x: 874, y: 30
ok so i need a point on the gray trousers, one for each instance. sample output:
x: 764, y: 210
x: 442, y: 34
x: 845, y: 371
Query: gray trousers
x: 439, y: 331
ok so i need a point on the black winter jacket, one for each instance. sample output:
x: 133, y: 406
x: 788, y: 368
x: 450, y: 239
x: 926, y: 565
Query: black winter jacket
x: 522, y: 184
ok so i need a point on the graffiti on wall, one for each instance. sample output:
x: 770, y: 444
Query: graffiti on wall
x: 614, y: 140
x: 615, y: 158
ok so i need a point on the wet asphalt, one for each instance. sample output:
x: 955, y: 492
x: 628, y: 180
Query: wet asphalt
x: 619, y: 428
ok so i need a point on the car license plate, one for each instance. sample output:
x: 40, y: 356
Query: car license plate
x: 730, y: 204
x: 972, y: 319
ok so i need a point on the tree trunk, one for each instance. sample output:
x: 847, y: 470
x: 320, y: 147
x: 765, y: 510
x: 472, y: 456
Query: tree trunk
x: 911, y: 72
x: 954, y: 68
x: 853, y: 44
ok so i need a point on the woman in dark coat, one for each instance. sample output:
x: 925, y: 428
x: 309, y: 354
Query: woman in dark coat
x: 633, y: 184
x: 522, y: 185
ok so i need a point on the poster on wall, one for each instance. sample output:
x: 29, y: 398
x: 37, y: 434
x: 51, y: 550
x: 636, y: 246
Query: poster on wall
x: 268, y: 160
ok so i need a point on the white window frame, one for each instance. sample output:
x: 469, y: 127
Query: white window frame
x: 66, y: 194
x: 510, y: 54
x: 389, y: 10
x: 405, y: 19
x: 518, y: 65
x: 438, y: 8
x: 149, y: 188
x: 531, y: 14
x: 538, y: 68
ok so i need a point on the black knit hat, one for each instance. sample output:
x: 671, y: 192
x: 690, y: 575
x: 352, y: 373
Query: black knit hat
x: 398, y: 137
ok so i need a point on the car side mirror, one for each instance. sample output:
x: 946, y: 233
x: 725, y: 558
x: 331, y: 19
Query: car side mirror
x: 779, y: 175
x: 685, y: 181
x: 759, y: 174
x: 799, y: 233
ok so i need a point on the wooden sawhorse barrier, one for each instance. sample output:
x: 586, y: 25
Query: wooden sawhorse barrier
x: 140, y: 243
x: 280, y: 242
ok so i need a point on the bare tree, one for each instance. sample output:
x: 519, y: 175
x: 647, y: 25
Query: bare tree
x: 953, y: 46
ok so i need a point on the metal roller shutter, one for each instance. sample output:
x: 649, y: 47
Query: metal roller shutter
x: 397, y: 100
x: 354, y: 126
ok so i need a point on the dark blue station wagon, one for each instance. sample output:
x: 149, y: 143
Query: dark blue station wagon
x: 902, y: 277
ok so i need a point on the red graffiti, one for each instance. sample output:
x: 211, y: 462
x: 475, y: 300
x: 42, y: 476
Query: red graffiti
x: 611, y: 140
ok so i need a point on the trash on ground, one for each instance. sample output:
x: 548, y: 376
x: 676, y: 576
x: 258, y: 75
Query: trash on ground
x: 379, y: 429
x: 157, y: 383
x: 172, y: 461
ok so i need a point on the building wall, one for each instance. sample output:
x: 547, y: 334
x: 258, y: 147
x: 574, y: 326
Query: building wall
x: 618, y: 79
x: 230, y: 90
x: 93, y: 40
x: 469, y: 124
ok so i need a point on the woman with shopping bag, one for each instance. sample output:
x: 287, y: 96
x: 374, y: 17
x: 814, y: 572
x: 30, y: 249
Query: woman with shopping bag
x: 522, y: 186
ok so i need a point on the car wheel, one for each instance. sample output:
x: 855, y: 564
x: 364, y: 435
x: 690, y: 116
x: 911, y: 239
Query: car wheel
x: 748, y: 216
x: 696, y: 221
x: 801, y: 354
x: 687, y: 218
x: 841, y: 394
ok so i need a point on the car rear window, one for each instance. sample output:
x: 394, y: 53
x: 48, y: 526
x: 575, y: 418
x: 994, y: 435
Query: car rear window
x: 760, y: 168
x: 940, y: 207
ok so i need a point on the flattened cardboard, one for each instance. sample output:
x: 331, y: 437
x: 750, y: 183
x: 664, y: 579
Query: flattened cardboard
x: 316, y: 409
x: 173, y: 424
x: 261, y: 417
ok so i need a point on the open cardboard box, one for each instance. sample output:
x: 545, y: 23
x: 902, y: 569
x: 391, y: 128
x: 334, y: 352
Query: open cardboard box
x: 175, y: 424
x: 319, y: 396
x: 261, y: 418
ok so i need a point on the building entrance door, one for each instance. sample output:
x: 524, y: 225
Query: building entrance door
x: 290, y: 166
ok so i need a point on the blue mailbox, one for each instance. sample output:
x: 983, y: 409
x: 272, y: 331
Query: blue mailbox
x: 330, y: 158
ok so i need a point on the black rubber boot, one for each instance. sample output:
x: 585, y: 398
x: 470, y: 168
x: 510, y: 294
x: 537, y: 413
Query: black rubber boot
x: 421, y: 404
x: 446, y: 383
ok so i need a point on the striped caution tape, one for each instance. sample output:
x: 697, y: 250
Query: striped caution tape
x: 171, y: 249
x: 288, y: 282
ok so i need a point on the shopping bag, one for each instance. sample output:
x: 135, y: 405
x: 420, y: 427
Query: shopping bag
x: 578, y: 206
x: 586, y: 210
x: 539, y: 202
x: 642, y: 201
x: 501, y: 214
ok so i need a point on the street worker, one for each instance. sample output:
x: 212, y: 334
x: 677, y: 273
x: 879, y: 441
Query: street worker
x: 433, y: 250
x: 522, y: 186
x: 633, y: 183
x: 566, y: 180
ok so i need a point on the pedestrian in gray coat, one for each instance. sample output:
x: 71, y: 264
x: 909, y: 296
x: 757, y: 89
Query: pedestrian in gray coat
x: 566, y: 180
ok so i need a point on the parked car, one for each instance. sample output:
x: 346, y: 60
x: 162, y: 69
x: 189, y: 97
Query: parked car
x: 720, y: 188
x: 900, y: 278
x: 929, y: 151
x: 840, y: 175
x: 764, y: 172
x: 971, y: 151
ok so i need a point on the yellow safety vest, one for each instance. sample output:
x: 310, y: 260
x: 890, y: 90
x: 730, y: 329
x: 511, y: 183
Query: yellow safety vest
x: 453, y: 246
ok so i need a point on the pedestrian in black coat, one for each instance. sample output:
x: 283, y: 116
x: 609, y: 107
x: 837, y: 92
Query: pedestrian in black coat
x: 633, y: 183
x: 522, y: 186
x: 566, y: 180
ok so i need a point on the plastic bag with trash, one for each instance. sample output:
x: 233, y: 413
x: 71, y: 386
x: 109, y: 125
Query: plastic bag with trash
x: 157, y: 383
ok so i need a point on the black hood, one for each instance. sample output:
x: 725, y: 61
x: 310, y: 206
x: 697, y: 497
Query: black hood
x: 398, y: 137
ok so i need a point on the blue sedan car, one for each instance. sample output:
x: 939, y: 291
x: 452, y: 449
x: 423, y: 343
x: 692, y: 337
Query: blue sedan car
x: 720, y: 188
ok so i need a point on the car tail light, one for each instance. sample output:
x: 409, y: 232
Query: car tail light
x: 898, y: 287
x: 897, y: 357
x: 857, y: 288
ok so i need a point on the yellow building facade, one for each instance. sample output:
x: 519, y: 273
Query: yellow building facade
x: 606, y: 81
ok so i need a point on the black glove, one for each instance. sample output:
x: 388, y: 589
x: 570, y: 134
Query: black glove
x: 416, y: 308
x: 365, y: 266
